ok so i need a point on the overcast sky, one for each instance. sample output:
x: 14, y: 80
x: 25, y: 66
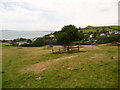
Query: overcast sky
x: 54, y: 14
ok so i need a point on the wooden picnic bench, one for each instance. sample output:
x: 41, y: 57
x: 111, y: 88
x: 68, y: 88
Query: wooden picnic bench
x: 63, y: 50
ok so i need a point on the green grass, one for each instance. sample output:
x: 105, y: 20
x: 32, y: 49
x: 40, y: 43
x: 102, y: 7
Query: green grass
x: 108, y: 28
x: 93, y: 67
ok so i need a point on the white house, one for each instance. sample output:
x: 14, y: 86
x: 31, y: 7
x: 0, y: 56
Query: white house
x: 117, y: 32
x: 33, y: 39
x: 102, y: 34
x: 114, y: 32
x: 110, y: 32
x: 91, y: 36
x: 51, y: 35
x: 22, y: 42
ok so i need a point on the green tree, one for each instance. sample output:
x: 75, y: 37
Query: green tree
x: 97, y: 31
x: 80, y: 36
x: 67, y: 35
x: 22, y: 39
x: 94, y: 35
x: 103, y: 30
x: 29, y: 41
x: 114, y: 38
x: 39, y: 42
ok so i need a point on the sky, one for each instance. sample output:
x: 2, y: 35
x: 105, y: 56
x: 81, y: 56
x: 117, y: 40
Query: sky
x: 52, y: 15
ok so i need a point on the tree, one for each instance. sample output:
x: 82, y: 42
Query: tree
x: 4, y: 41
x: 39, y: 42
x: 97, y: 31
x: 67, y: 35
x: 80, y: 36
x: 86, y: 37
x: 79, y: 28
x: 114, y: 38
x: 103, y: 39
x: 22, y: 39
x: 94, y: 35
x: 29, y: 41
x: 103, y: 30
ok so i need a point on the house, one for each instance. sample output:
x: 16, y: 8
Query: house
x: 33, y: 39
x: 22, y: 42
x: 116, y: 32
x: 91, y: 36
x: 111, y: 32
x: 51, y: 36
x: 102, y: 34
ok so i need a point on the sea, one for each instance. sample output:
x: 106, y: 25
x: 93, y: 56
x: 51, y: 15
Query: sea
x: 11, y: 34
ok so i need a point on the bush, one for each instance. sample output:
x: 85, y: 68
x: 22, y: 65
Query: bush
x: 84, y: 43
x: 38, y: 42
x: 111, y: 38
x: 103, y: 40
x: 26, y: 45
x: 51, y: 42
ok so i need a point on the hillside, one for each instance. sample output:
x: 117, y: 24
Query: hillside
x: 94, y: 29
x: 36, y: 67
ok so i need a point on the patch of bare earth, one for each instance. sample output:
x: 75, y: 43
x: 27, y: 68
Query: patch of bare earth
x: 91, y: 47
x: 42, y: 66
x: 103, y: 44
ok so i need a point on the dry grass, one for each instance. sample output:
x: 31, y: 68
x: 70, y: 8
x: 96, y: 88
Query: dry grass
x: 40, y: 67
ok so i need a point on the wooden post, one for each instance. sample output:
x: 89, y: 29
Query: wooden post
x: 78, y: 48
x: 59, y: 51
x: 52, y: 50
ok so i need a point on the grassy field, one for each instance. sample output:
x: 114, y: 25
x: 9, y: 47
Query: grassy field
x: 108, y: 28
x: 94, y: 30
x: 36, y: 67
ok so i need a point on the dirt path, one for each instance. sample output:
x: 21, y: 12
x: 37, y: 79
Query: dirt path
x: 40, y: 67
